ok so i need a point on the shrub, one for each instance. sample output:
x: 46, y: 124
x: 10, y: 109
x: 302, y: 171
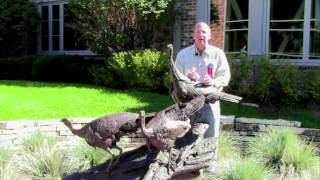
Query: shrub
x: 112, y: 26
x: 274, y: 84
x: 241, y: 83
x: 282, y: 148
x: 141, y: 69
x: 18, y: 27
x: 48, y: 68
x: 310, y: 85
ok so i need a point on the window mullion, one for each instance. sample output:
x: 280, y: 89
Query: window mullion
x: 306, y: 33
x: 61, y: 30
x: 50, y: 27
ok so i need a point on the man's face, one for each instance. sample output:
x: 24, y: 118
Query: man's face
x: 201, y: 36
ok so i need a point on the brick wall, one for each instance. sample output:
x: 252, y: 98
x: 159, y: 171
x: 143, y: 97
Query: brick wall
x: 188, y: 20
x: 217, y: 38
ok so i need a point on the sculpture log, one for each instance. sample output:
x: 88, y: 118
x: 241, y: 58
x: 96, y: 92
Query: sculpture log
x: 180, y: 156
x: 189, y: 153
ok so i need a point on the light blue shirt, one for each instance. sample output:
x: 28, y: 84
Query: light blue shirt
x: 189, y: 59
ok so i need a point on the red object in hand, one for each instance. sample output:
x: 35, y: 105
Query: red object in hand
x: 210, y: 70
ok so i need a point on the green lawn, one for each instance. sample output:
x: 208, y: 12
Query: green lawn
x: 38, y: 100
x: 309, y: 118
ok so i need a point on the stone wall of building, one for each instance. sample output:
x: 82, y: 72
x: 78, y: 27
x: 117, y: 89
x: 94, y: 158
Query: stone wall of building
x: 243, y: 129
x: 217, y: 38
x: 188, y: 20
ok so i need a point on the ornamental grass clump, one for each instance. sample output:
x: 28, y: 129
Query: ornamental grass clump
x: 284, y: 151
x: 88, y: 156
x: 246, y: 169
x: 40, y: 158
x: 228, y: 147
x: 7, y: 165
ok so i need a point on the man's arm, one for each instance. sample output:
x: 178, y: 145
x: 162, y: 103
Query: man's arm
x: 222, y: 74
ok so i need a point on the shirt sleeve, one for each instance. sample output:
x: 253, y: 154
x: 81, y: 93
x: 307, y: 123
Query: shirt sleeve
x: 222, y: 75
x: 179, y: 63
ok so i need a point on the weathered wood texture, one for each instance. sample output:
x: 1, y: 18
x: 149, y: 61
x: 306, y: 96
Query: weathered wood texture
x: 191, y: 153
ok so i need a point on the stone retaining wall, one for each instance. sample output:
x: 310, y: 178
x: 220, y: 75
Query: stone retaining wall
x: 243, y: 129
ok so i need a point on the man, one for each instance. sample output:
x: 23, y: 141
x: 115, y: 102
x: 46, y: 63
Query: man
x: 206, y: 64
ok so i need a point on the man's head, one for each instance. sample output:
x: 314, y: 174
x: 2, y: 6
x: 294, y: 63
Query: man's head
x: 201, y: 36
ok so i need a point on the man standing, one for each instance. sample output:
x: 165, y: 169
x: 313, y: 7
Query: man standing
x: 208, y: 65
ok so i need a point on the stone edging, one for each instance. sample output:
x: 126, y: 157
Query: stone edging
x: 12, y: 132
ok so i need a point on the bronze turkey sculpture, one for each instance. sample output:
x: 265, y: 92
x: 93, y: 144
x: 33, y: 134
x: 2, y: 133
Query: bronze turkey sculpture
x: 171, y: 123
x: 105, y: 131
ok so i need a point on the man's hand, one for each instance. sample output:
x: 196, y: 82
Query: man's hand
x: 207, y: 80
x: 194, y: 76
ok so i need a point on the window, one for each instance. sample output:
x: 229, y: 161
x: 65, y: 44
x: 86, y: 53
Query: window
x: 286, y: 29
x: 56, y: 37
x: 236, y: 26
x: 315, y: 30
x: 72, y: 39
x: 55, y: 27
x: 44, y: 28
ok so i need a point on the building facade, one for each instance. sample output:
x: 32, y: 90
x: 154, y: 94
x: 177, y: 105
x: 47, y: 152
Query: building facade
x: 281, y: 29
x: 55, y: 37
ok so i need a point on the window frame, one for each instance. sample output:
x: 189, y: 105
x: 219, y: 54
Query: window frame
x: 261, y: 44
x: 226, y: 22
x: 305, y: 60
x: 61, y: 50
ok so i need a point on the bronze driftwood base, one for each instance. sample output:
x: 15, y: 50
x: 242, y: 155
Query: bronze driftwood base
x: 190, y: 154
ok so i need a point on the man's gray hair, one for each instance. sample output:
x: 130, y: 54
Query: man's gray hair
x: 202, y: 24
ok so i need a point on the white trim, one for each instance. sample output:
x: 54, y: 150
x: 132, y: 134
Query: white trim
x: 314, y: 29
x: 284, y: 54
x: 243, y: 29
x: 39, y: 32
x: 235, y: 21
x: 288, y: 20
x: 80, y: 53
x: 61, y: 51
x: 306, y: 33
x: 50, y: 27
x: 315, y: 20
x: 298, y: 62
x: 203, y: 11
x: 233, y: 52
x: 61, y: 26
x: 268, y: 4
x: 298, y: 30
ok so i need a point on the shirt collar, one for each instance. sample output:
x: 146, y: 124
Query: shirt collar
x: 197, y: 53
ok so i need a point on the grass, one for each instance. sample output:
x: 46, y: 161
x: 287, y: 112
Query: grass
x: 277, y: 154
x: 281, y: 147
x: 40, y: 101
x: 37, y: 100
x: 308, y: 118
x: 247, y: 169
x: 228, y: 146
x: 7, y: 167
x: 41, y: 158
